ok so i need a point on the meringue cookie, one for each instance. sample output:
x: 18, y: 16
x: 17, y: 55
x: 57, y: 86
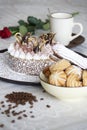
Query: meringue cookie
x: 59, y: 66
x: 73, y: 81
x: 74, y: 70
x: 58, y: 78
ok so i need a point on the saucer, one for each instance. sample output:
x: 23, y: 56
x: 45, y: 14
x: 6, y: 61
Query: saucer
x: 77, y: 41
x: 6, y: 74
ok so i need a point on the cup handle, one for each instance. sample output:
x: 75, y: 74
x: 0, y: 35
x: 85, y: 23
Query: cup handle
x: 81, y: 30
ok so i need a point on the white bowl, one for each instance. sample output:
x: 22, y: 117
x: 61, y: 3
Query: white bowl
x: 64, y: 93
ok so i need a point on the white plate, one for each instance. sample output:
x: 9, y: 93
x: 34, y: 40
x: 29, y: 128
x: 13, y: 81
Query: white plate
x: 63, y: 93
x: 7, y: 74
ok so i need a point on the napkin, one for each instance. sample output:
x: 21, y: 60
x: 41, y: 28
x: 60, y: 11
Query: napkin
x: 70, y: 55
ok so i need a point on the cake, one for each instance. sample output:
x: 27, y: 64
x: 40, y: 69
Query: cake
x: 30, y: 54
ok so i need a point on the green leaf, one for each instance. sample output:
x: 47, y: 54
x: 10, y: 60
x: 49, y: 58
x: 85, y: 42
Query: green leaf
x: 47, y: 20
x: 75, y: 13
x: 23, y: 29
x: 38, y: 23
x: 22, y: 22
x: 31, y: 29
x: 14, y: 29
x: 46, y: 26
x: 32, y: 20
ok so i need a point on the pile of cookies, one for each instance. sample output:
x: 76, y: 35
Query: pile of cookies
x: 65, y: 74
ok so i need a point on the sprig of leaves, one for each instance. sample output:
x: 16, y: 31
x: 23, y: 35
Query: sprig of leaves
x: 31, y: 25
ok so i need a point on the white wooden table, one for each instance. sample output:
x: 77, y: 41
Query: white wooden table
x: 61, y: 115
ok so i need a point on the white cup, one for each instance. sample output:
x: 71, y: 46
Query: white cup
x: 62, y: 25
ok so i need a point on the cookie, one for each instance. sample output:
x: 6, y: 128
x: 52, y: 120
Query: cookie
x: 73, y: 69
x: 58, y: 78
x: 59, y: 66
x: 73, y: 81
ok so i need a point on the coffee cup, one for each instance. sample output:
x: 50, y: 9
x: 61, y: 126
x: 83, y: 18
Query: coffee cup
x: 62, y: 25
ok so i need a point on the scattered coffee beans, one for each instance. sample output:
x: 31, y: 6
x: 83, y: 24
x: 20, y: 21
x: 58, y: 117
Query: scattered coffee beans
x: 18, y: 98
x: 21, y: 98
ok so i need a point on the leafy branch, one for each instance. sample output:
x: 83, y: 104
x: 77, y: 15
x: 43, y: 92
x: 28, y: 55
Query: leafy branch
x: 31, y: 25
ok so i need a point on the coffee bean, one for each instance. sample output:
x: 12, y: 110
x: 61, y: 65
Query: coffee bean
x: 31, y: 106
x: 9, y: 105
x: 7, y: 100
x: 32, y: 116
x: 1, y: 102
x: 3, y: 105
x: 19, y: 118
x: 24, y: 115
x: 13, y: 121
x: 24, y: 110
x: 1, y: 125
x: 2, y: 112
x: 8, y: 115
x: 41, y: 98
x: 43, y: 91
x: 48, y: 106
x: 31, y: 112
